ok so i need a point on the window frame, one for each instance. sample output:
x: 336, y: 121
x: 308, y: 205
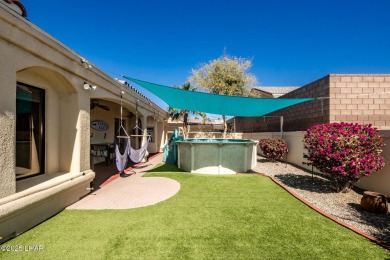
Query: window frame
x: 42, y: 131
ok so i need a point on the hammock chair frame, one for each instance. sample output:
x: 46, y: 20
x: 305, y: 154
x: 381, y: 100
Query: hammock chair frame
x: 129, y: 151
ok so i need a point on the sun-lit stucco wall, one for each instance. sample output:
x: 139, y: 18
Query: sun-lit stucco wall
x: 30, y: 56
x: 7, y: 123
x: 379, y: 181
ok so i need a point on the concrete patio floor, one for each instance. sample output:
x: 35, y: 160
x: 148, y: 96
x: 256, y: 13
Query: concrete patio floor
x: 129, y: 192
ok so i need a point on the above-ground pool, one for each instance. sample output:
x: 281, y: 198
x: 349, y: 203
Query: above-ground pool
x: 217, y: 156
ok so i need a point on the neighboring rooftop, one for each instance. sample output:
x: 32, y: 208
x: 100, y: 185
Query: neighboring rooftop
x: 274, y: 91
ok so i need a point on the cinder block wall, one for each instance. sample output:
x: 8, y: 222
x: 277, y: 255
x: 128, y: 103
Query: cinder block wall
x: 352, y: 98
x: 356, y: 98
x: 296, y: 118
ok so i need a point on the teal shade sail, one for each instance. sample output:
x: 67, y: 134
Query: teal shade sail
x: 217, y: 104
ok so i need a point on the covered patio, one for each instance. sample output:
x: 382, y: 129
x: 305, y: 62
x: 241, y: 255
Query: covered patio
x: 133, y: 191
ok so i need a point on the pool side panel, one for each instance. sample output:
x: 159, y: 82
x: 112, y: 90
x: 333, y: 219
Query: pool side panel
x: 217, y: 156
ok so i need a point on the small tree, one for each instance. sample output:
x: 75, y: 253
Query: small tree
x: 226, y: 76
x: 345, y: 151
x: 273, y: 148
x: 177, y: 114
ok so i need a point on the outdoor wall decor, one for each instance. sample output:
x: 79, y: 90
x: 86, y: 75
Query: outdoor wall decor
x: 99, y: 125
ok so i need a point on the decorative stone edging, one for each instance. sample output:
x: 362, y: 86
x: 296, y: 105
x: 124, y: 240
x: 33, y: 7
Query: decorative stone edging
x: 325, y: 214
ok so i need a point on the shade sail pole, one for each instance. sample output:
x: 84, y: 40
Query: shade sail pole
x: 281, y: 127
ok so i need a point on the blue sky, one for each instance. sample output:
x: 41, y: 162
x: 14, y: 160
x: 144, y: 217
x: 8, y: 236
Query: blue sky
x: 291, y: 42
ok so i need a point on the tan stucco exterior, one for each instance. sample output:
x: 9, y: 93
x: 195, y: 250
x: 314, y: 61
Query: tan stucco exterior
x: 30, y: 56
x: 379, y: 181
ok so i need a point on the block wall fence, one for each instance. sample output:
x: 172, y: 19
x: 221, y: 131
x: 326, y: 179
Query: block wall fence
x: 355, y: 98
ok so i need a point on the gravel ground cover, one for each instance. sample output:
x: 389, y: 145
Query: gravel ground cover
x: 318, y: 192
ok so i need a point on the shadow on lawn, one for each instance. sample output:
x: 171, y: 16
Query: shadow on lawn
x: 304, y: 182
x: 379, y: 222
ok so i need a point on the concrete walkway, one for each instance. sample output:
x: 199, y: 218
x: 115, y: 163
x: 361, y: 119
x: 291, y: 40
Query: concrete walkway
x: 134, y: 191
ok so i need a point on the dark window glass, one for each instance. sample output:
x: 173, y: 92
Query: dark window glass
x: 30, y: 125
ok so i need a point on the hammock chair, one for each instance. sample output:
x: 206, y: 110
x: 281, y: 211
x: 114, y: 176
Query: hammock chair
x: 121, y: 159
x: 135, y: 155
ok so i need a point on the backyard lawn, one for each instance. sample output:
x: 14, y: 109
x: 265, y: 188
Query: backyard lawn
x: 225, y: 217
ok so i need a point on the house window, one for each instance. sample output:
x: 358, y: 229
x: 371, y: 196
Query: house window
x: 30, y: 130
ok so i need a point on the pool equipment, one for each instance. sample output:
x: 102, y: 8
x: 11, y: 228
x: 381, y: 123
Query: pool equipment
x: 170, y: 148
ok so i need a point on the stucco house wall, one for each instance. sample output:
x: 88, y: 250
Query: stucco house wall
x: 31, y: 56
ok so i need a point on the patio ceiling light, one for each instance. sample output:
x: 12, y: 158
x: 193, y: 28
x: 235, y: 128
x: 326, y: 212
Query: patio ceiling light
x: 87, y: 86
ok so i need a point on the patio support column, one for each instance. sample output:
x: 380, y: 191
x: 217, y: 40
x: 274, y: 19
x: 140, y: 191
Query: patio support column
x: 164, y: 132
x: 155, y: 138
x: 84, y: 130
x: 161, y: 135
x: 136, y: 139
x: 144, y: 122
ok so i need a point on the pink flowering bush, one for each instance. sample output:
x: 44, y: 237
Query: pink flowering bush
x: 345, y: 151
x: 274, y: 148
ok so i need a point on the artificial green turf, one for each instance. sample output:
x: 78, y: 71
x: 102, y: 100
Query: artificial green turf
x: 224, y: 217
